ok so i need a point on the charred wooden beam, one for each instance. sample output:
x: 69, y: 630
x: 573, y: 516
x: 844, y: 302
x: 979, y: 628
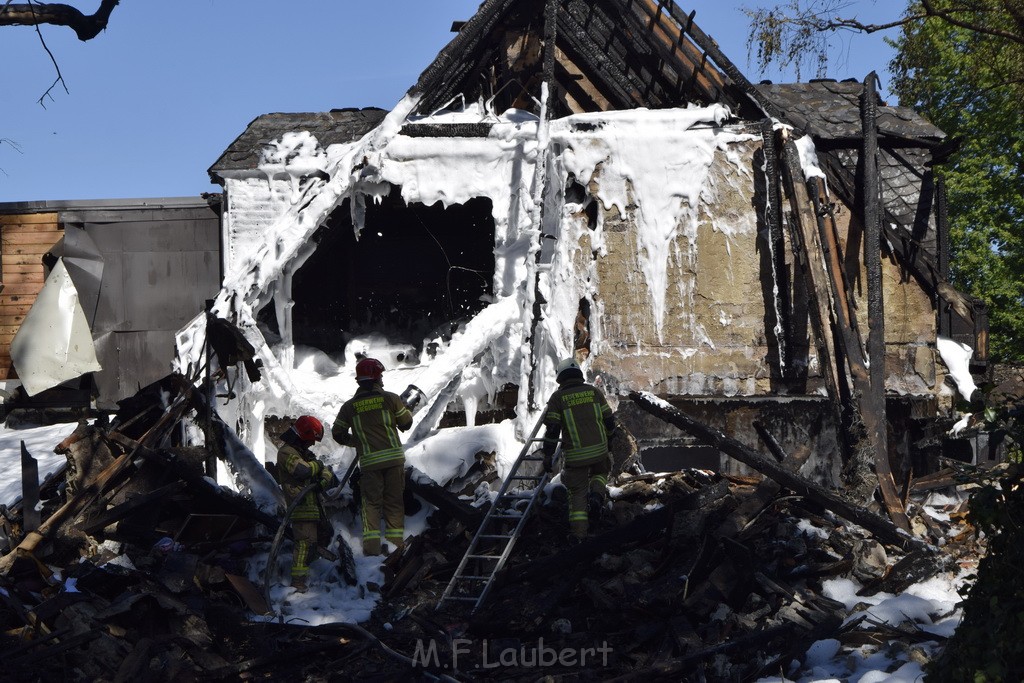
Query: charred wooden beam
x: 709, y: 46
x: 615, y: 85
x: 805, y: 242
x: 550, y: 40
x: 466, y: 42
x: 883, y: 529
x: 446, y: 130
x: 673, y: 52
x: 30, y: 516
x: 776, y: 240
x: 873, y: 395
x: 770, y: 441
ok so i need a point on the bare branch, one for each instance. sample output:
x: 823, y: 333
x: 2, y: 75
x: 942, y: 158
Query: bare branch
x: 85, y: 26
x: 793, y: 31
x: 60, y: 77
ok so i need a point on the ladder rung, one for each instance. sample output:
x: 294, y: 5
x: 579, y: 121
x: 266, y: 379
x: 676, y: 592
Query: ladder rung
x: 533, y: 458
x: 495, y: 536
x: 518, y: 496
x: 528, y: 477
x: 463, y: 599
x: 506, y: 516
x: 473, y: 578
x: 483, y: 557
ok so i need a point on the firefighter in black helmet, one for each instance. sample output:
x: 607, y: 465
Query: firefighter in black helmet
x: 370, y: 422
x: 580, y: 414
x: 297, y: 467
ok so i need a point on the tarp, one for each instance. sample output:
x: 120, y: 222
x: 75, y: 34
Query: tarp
x: 54, y: 343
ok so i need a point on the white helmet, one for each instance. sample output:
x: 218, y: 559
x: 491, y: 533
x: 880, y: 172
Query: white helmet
x: 567, y: 368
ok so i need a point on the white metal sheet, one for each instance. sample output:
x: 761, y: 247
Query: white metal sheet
x: 54, y: 343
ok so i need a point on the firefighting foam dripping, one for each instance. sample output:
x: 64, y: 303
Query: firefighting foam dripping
x: 652, y: 166
x: 657, y: 162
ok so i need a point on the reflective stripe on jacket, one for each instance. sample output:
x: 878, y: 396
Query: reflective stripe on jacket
x: 297, y: 469
x: 581, y: 414
x: 370, y: 422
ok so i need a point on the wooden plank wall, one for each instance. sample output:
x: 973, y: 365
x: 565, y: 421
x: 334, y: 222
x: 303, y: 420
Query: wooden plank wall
x: 23, y: 241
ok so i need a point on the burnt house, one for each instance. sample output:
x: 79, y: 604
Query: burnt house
x: 598, y: 178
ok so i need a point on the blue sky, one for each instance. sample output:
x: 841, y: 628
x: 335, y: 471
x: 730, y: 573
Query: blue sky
x: 155, y: 99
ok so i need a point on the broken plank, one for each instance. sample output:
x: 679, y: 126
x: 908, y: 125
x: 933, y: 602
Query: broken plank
x: 882, y: 528
x: 249, y: 593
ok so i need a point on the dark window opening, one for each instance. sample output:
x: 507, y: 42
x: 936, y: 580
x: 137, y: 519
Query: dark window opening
x: 415, y: 273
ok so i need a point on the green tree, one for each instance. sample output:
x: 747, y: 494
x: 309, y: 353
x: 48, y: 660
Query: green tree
x: 961, y: 64
x: 970, y: 83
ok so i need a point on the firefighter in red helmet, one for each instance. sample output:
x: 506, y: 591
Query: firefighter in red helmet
x: 298, y: 467
x: 370, y: 421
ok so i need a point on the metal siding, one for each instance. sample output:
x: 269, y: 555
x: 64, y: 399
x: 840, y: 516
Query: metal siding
x: 163, y: 290
x: 131, y: 360
x: 157, y: 276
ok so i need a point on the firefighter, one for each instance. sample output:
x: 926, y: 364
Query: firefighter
x: 298, y: 467
x: 370, y: 422
x: 579, y: 413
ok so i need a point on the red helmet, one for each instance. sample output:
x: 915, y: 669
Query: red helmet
x: 369, y: 368
x: 309, y: 428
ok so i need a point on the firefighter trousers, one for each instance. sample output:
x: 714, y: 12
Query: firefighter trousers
x: 304, y: 534
x: 584, y: 481
x: 383, y: 495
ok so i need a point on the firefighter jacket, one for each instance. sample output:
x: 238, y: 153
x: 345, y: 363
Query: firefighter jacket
x: 370, y: 422
x: 581, y: 414
x: 297, y: 468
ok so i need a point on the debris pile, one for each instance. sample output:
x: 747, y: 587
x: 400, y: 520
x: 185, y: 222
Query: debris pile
x: 141, y: 566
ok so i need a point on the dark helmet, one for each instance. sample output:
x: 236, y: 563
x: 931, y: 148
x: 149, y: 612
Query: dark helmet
x: 309, y: 429
x: 568, y: 369
x: 369, y: 369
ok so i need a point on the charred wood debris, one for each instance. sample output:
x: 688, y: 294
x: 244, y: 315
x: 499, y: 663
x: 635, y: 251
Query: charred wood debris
x: 687, y: 575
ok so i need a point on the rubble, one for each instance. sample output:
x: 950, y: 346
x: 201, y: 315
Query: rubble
x: 144, y: 567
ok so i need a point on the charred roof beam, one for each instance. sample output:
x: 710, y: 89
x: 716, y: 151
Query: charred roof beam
x: 606, y: 76
x: 470, y: 40
x: 743, y: 86
x: 674, y: 48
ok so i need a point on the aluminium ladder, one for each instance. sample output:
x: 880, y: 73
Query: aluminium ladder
x: 489, y: 558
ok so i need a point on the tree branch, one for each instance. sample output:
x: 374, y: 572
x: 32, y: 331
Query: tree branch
x: 948, y: 17
x: 929, y: 11
x: 85, y: 26
x: 60, y: 76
